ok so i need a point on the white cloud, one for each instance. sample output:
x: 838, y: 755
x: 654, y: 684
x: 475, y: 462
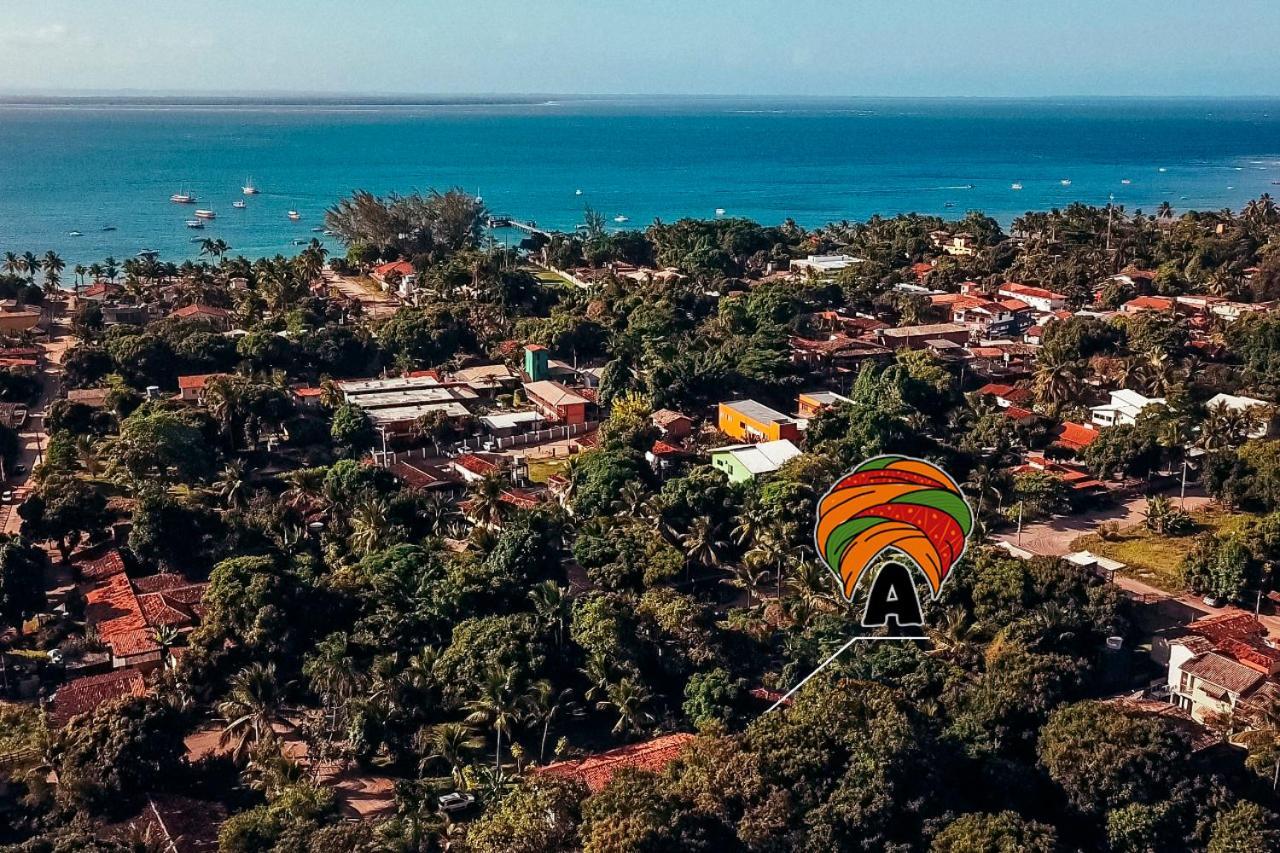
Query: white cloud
x: 42, y: 35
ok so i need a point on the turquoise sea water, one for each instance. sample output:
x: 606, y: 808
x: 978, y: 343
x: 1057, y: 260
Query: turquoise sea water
x: 76, y: 166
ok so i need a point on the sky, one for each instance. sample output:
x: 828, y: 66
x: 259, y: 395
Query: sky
x: 993, y: 48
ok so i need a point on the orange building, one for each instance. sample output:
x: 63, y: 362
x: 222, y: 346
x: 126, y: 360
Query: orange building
x: 747, y: 420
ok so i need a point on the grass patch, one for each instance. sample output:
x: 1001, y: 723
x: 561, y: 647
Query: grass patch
x: 541, y: 469
x: 1155, y: 559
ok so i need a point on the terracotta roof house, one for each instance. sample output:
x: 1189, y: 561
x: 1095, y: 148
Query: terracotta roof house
x: 219, y: 318
x: 1039, y: 298
x: 94, y: 398
x: 100, y: 567
x: 191, y: 388
x: 595, y: 771
x: 474, y: 466
x: 83, y: 695
x: 557, y: 402
x: 1006, y: 395
x: 672, y: 424
x: 124, y: 614
x: 1074, y: 437
x: 1148, y: 303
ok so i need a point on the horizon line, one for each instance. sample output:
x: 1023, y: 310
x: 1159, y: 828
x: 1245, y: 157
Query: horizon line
x: 525, y: 97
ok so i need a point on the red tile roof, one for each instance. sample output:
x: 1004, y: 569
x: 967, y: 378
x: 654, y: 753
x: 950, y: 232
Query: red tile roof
x: 1012, y: 393
x: 112, y: 610
x: 110, y: 563
x: 199, y: 310
x: 1148, y: 303
x: 595, y: 771
x: 82, y: 695
x: 475, y: 464
x: 196, y: 381
x: 1076, y: 436
x: 1026, y: 290
x: 661, y: 448
x: 402, y: 267
x: 1222, y: 672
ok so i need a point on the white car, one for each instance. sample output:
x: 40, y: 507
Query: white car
x: 455, y: 802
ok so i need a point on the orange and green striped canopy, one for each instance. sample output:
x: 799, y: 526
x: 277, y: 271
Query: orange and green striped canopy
x: 909, y: 505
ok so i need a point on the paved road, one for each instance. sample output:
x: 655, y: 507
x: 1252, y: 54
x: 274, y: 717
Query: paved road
x: 33, y: 436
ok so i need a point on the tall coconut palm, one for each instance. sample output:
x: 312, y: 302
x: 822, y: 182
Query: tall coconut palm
x: 53, y: 266
x: 485, y: 504
x: 254, y: 704
x: 497, y: 706
x: 553, y: 607
x: 750, y: 578
x: 544, y: 702
x: 30, y: 265
x: 14, y: 264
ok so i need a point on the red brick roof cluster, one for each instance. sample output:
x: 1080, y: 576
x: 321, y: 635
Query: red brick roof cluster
x: 595, y: 771
x: 82, y: 695
x: 124, y: 614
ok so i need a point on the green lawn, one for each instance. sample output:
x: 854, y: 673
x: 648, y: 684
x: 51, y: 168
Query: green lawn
x: 1155, y: 559
x: 541, y: 469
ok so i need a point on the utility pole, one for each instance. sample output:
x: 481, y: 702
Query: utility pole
x: 1020, y: 504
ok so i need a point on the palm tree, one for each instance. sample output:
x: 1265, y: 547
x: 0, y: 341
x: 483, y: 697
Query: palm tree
x: 254, y: 704
x: 497, y: 706
x: 553, y: 607
x: 485, y: 502
x: 702, y: 544
x: 628, y: 699
x: 53, y: 266
x: 985, y: 482
x: 544, y: 702
x: 87, y: 455
x: 630, y: 500
x: 232, y: 485
x: 370, y: 524
x: 1057, y: 381
x: 13, y: 264
x: 811, y: 584
x: 30, y: 265
x: 449, y: 743
x: 748, y: 578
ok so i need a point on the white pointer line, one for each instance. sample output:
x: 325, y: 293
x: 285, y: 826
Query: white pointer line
x: 826, y: 662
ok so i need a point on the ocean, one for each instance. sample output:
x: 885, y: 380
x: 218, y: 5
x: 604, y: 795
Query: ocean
x: 85, y: 166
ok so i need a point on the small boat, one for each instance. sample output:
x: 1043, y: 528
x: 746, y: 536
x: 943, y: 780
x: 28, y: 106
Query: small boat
x: 182, y: 198
x: 1163, y: 169
x: 239, y: 205
x: 294, y: 215
x: 249, y: 187
x: 1126, y: 181
x: 577, y: 192
x: 317, y: 230
x: 74, y: 234
x: 299, y: 242
x: 719, y: 211
x: 620, y: 218
x: 1066, y: 182
x: 206, y: 214
x: 195, y: 223
x: 1015, y: 187
x: 108, y: 228
x: 148, y: 253
x: 948, y: 204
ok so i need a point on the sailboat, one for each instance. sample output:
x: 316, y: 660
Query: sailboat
x: 249, y: 187
x: 183, y: 197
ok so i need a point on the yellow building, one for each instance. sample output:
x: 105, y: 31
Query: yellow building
x: 747, y: 420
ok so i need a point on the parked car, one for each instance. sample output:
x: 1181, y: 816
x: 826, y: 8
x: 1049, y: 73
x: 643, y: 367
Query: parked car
x: 455, y: 801
x: 1212, y: 601
x: 7, y: 496
x: 19, y: 469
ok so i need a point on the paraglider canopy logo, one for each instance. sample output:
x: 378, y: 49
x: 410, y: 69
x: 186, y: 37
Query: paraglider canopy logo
x: 892, y: 507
